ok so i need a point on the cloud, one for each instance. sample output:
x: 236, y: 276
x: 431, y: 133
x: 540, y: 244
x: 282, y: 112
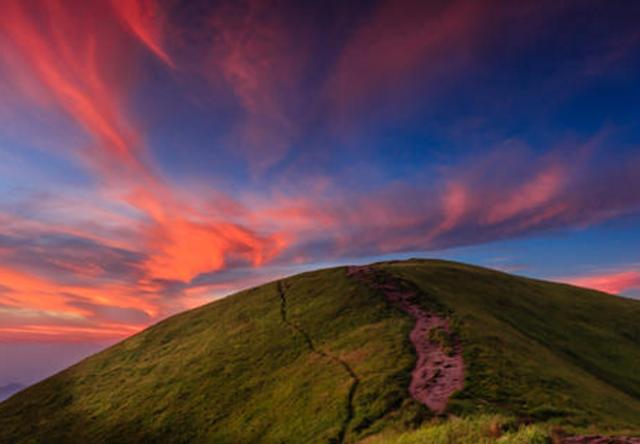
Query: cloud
x: 262, y: 58
x: 63, y: 254
x: 536, y: 192
x: 403, y: 43
x: 131, y: 246
x: 146, y: 20
x: 184, y: 248
x: 615, y: 282
x: 70, y: 48
x: 72, y: 57
x: 502, y: 195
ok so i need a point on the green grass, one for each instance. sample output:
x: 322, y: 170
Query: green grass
x: 482, y: 429
x: 231, y: 372
x: 234, y: 372
x: 544, y: 351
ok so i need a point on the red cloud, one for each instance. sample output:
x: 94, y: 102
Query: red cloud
x: 455, y: 203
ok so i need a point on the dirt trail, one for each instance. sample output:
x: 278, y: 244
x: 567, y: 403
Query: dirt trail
x: 355, y: 381
x: 439, y: 370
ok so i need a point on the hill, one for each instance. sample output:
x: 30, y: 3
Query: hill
x: 330, y: 356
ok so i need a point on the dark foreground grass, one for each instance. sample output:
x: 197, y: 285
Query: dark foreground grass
x: 235, y: 372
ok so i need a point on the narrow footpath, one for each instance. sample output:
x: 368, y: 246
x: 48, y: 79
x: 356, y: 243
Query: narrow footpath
x: 439, y: 369
x: 312, y: 347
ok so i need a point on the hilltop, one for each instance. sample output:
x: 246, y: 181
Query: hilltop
x: 357, y: 353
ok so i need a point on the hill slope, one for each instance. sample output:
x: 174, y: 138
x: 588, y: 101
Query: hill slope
x: 326, y: 357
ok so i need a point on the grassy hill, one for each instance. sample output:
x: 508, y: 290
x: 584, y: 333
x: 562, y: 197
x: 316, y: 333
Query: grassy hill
x: 322, y: 357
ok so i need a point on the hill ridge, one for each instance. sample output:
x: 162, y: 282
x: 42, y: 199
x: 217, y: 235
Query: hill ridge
x: 268, y: 364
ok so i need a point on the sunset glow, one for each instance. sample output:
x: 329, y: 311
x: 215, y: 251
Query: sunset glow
x: 156, y: 155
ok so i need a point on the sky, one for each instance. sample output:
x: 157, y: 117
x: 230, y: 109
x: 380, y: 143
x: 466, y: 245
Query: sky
x: 156, y: 155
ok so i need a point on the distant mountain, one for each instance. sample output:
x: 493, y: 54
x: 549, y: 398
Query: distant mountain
x: 9, y: 389
x: 358, y: 354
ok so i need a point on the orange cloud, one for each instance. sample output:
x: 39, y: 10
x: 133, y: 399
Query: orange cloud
x: 74, y: 57
x: 183, y: 240
x: 35, y: 308
x: 184, y: 248
x: 27, y: 290
x: 66, y: 333
x: 23, y: 290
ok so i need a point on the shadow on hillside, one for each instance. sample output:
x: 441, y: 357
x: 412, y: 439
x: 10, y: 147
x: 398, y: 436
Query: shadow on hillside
x: 29, y: 417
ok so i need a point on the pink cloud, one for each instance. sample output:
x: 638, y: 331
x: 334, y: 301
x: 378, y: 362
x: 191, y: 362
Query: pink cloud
x: 180, y: 241
x: 479, y: 201
x: 455, y: 201
x: 614, y: 282
x: 540, y: 190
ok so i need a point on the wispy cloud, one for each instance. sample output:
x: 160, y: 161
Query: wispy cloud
x: 403, y: 43
x: 71, y: 50
x: 499, y: 196
x: 147, y: 21
x: 262, y: 57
